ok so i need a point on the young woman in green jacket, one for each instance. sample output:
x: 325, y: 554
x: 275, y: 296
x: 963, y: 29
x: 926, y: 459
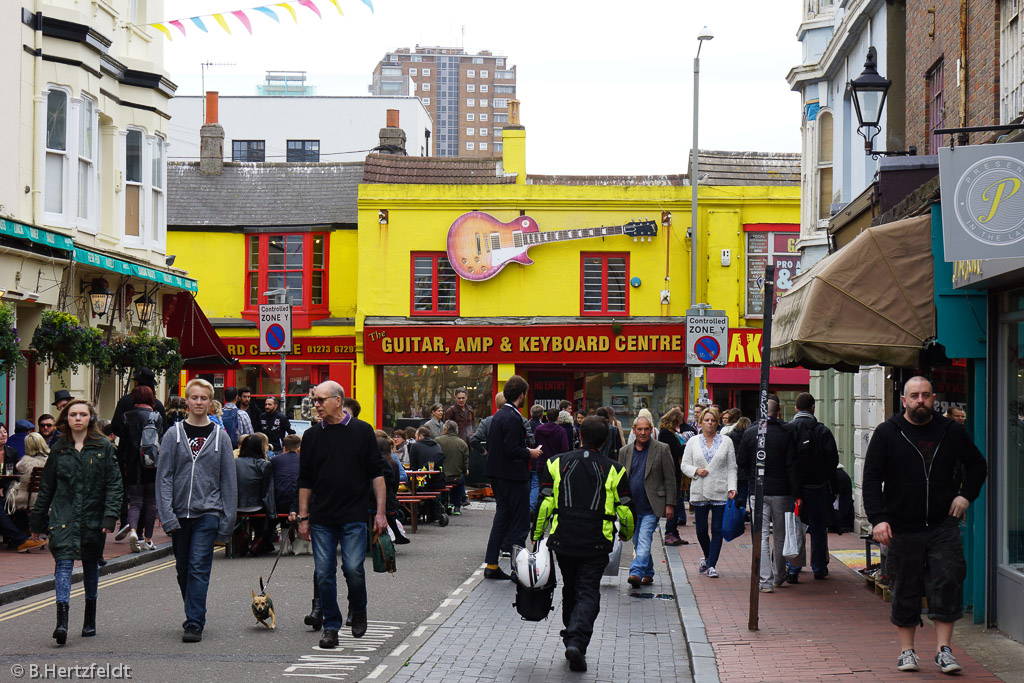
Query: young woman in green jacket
x: 80, y: 498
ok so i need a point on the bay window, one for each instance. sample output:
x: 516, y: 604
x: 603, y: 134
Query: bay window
x: 71, y: 160
x: 133, y: 184
x: 56, y: 150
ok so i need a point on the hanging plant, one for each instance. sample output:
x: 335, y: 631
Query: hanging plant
x: 63, y: 344
x: 10, y: 350
x: 142, y: 349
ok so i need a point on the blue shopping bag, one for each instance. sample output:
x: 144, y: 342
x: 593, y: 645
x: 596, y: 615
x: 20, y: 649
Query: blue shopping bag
x: 733, y: 524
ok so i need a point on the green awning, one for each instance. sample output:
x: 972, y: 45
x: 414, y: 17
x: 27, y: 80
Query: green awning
x: 124, y: 268
x: 25, y: 232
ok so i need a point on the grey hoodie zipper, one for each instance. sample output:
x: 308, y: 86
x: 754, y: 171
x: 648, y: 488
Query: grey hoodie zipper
x: 192, y: 474
x: 927, y: 471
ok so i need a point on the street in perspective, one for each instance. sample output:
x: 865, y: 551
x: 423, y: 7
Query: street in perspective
x: 379, y: 340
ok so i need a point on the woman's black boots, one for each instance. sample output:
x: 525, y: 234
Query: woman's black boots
x: 89, y: 625
x: 60, y: 634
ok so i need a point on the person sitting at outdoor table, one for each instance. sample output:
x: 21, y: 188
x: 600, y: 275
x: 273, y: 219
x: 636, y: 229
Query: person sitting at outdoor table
x: 18, y: 499
x: 426, y: 454
x: 255, y: 475
x: 22, y: 428
x: 391, y: 470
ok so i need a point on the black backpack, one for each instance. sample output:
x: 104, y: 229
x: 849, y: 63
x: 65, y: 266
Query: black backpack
x: 581, y: 505
x: 230, y: 420
x: 149, y: 440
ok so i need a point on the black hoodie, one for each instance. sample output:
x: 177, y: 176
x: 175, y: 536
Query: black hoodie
x: 918, y: 493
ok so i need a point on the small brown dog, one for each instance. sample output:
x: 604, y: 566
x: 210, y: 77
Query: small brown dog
x: 263, y: 608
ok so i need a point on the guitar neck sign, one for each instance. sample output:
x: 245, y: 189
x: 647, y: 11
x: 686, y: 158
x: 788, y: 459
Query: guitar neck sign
x: 479, y: 245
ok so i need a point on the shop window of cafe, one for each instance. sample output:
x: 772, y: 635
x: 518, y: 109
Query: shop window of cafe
x: 409, y: 390
x: 435, y: 286
x: 628, y: 392
x: 766, y: 247
x: 264, y: 379
x: 296, y: 262
x: 603, y: 284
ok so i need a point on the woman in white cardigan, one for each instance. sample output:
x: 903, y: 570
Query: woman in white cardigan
x: 710, y: 460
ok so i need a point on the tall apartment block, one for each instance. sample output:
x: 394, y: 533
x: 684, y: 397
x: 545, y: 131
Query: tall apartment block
x: 467, y: 95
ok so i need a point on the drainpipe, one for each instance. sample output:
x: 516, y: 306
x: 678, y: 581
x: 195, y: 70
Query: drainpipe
x: 39, y: 111
x: 961, y: 75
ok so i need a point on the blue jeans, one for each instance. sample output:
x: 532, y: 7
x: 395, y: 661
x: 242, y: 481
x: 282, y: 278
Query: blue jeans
x: 642, y: 565
x: 193, y: 559
x: 534, y: 490
x: 352, y: 537
x: 712, y: 547
x: 816, y: 503
x: 62, y: 579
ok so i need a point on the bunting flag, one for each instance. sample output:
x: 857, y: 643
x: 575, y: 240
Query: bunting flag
x: 243, y: 16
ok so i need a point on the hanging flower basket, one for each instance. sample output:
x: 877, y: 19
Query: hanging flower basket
x: 142, y: 349
x: 10, y: 350
x: 62, y: 343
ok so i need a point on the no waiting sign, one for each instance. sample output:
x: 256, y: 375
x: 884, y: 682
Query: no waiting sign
x: 707, y: 338
x: 275, y: 328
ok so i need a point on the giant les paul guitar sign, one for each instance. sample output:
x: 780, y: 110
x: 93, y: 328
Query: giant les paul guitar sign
x: 479, y: 245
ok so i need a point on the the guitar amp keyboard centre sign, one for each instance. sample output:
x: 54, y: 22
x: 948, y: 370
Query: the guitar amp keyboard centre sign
x: 537, y: 344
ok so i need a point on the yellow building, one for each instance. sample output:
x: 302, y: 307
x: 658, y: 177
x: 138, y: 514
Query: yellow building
x: 597, y: 318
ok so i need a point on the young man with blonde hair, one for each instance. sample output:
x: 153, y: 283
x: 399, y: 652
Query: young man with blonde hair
x: 196, y: 496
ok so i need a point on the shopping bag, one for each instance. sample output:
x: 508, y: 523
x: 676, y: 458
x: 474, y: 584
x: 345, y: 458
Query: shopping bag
x: 615, y: 556
x: 733, y: 520
x: 796, y: 535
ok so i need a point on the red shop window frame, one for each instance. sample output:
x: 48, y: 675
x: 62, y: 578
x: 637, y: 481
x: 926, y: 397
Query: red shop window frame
x: 434, y: 311
x: 304, y: 315
x: 604, y: 256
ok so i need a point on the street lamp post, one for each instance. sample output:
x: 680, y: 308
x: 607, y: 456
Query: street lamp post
x: 702, y: 35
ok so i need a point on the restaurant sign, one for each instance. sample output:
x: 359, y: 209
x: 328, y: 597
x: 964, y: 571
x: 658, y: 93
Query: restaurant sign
x: 303, y: 348
x: 540, y: 344
x: 983, y: 201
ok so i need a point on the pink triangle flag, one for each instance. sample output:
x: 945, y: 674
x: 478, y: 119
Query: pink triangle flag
x: 240, y: 15
x: 310, y: 5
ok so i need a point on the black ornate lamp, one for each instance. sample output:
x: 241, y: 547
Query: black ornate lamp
x: 144, y: 306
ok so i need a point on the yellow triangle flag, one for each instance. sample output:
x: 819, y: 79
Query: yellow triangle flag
x: 223, y: 24
x: 335, y: 3
x: 163, y: 29
x: 291, y: 10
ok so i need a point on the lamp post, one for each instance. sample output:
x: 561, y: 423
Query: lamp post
x: 704, y: 34
x: 144, y: 306
x: 869, y: 91
x: 281, y: 294
x: 100, y: 296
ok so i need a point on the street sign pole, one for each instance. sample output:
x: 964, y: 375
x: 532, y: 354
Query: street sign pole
x: 762, y: 431
x: 276, y: 333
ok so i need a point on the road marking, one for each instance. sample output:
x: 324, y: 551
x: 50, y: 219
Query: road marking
x: 456, y: 591
x: 78, y: 592
x: 336, y: 663
x: 433, y: 616
x: 470, y: 579
x: 399, y: 650
x: 381, y: 668
x: 419, y: 631
x: 446, y: 602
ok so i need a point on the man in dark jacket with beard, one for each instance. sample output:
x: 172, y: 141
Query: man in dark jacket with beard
x: 275, y: 425
x: 780, y: 485
x: 914, y: 497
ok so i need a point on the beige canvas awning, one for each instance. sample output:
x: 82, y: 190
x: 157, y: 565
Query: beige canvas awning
x: 870, y: 303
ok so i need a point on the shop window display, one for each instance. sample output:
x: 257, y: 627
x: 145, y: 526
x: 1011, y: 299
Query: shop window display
x: 265, y: 380
x: 409, y: 390
x: 628, y: 392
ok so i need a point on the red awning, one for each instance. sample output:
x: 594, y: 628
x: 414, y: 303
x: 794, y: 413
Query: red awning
x: 199, y: 343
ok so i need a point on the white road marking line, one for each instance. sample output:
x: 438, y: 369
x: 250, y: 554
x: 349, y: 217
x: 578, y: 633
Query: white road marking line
x: 399, y: 650
x: 456, y: 591
x: 419, y: 631
x: 433, y: 616
x: 469, y: 580
x: 381, y: 668
x: 446, y: 602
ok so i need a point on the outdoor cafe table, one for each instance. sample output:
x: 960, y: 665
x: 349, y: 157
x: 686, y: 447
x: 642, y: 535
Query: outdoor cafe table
x: 419, y: 473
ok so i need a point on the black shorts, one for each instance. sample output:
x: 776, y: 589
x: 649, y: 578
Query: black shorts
x: 927, y: 564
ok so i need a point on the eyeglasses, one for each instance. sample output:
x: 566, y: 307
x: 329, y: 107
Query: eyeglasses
x: 318, y: 400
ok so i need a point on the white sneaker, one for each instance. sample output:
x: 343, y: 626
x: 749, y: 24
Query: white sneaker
x: 122, y: 533
x: 711, y: 573
x: 133, y: 542
x: 148, y: 545
x: 703, y: 566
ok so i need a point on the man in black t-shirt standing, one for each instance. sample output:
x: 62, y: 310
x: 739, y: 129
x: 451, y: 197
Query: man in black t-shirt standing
x: 338, y: 462
x: 915, y: 497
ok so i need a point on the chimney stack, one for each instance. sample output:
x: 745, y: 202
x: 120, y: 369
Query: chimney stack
x: 211, y: 139
x: 392, y: 138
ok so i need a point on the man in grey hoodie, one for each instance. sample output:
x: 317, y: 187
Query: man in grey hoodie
x: 196, y: 496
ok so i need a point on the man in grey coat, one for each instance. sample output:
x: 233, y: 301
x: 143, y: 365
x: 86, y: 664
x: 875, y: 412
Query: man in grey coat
x: 653, y: 482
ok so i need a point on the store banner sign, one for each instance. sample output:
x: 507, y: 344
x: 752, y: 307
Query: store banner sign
x: 744, y: 347
x: 983, y: 201
x: 533, y: 344
x: 303, y: 348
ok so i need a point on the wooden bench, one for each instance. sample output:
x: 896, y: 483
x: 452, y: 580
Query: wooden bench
x: 34, y: 480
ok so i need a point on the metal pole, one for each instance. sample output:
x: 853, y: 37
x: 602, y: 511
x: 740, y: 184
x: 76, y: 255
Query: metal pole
x: 694, y: 176
x: 762, y: 430
x: 284, y: 370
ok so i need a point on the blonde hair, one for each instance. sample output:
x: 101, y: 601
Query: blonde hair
x: 197, y: 382
x: 35, y: 444
x: 712, y: 411
x: 216, y: 409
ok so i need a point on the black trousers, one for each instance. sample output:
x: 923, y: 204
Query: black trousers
x: 511, y: 521
x: 581, y: 597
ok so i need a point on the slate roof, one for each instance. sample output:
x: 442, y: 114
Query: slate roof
x: 749, y: 168
x: 263, y: 194
x: 391, y: 168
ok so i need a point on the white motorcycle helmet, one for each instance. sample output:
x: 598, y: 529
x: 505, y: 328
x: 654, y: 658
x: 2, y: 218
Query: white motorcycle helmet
x: 532, y: 570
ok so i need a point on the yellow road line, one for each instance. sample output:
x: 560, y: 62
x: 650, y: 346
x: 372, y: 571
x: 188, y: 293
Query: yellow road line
x: 77, y: 592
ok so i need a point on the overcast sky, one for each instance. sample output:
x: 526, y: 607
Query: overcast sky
x: 606, y: 87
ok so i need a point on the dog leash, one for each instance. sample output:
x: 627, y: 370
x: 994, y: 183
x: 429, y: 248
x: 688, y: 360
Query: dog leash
x: 280, y: 551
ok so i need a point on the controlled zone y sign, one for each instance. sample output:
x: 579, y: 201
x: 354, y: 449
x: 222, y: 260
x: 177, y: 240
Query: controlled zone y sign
x: 275, y: 328
x: 707, y: 339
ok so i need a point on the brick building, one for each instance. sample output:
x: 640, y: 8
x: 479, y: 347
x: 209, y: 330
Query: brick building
x: 941, y: 39
x: 467, y: 95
